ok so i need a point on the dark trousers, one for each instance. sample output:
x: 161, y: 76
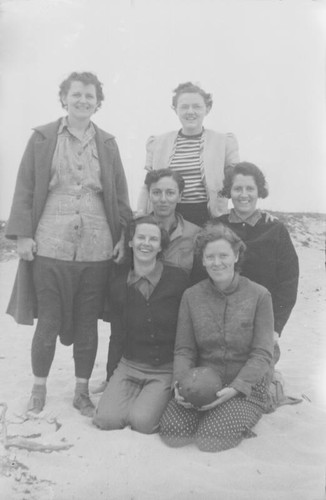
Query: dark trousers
x: 70, y: 298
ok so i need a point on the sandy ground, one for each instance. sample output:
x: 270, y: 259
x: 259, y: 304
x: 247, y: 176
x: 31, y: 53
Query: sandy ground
x: 286, y: 461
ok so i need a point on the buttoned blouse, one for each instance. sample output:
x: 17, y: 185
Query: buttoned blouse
x: 74, y: 225
x: 143, y: 330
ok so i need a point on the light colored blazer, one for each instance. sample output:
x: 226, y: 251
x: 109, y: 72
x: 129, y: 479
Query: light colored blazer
x: 220, y: 151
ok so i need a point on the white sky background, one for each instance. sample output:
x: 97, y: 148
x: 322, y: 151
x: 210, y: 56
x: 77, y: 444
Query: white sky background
x: 263, y: 61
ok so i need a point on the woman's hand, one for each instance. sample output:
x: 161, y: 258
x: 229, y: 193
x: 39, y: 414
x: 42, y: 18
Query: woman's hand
x: 269, y: 217
x: 179, y: 399
x: 119, y: 251
x: 26, y: 248
x: 222, y: 396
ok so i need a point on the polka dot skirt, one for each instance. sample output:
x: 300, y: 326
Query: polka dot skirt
x: 218, y: 429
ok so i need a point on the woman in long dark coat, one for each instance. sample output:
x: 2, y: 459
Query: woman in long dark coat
x: 68, y: 213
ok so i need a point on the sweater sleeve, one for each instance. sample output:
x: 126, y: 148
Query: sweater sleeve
x: 285, y: 294
x: 118, y: 335
x: 116, y: 346
x: 20, y: 220
x: 185, y: 352
x: 261, y: 354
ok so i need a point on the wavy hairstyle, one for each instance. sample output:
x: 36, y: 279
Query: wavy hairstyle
x: 86, y: 78
x: 155, y: 175
x: 245, y: 168
x: 146, y: 219
x: 191, y: 88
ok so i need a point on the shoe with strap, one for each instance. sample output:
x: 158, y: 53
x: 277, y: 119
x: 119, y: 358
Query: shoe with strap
x: 37, y: 400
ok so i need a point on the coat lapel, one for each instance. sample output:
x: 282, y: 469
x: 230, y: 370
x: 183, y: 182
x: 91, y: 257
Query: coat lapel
x: 44, y: 151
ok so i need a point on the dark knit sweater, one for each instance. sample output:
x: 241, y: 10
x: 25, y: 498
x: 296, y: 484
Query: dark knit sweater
x: 271, y: 261
x: 144, y: 330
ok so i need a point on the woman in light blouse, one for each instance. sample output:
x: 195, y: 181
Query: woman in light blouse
x: 200, y: 155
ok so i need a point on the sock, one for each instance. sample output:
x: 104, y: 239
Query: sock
x: 81, y: 388
x: 39, y: 389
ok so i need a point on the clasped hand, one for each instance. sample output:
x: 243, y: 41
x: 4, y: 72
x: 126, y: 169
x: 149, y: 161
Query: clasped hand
x: 119, y: 251
x: 222, y: 396
x: 26, y: 248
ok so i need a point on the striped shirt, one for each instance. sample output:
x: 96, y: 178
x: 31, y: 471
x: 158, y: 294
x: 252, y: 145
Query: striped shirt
x: 187, y: 160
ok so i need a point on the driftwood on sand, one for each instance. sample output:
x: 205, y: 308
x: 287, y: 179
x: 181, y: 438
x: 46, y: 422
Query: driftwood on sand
x: 20, y: 442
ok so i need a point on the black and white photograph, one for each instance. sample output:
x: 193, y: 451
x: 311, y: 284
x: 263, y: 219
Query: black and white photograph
x: 162, y: 250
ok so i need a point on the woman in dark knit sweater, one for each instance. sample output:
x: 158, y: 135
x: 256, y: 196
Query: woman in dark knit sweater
x: 145, y: 303
x: 270, y: 259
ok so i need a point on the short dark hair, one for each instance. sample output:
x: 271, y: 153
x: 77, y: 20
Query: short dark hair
x: 214, y: 231
x: 245, y: 168
x: 147, y: 219
x: 191, y: 88
x: 86, y: 78
x: 155, y: 175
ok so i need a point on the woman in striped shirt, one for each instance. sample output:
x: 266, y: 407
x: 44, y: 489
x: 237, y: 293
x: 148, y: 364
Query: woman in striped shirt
x: 199, y: 155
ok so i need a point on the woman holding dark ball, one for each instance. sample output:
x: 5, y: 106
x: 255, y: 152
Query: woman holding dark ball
x: 225, y: 323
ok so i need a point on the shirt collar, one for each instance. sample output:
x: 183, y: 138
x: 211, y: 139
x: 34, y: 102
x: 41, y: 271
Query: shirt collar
x: 251, y: 220
x: 153, y: 277
x: 64, y: 125
x: 176, y: 229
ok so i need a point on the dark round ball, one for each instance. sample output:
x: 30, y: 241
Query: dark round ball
x: 200, y: 385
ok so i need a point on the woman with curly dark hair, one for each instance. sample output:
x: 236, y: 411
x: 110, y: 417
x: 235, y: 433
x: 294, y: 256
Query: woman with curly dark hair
x: 68, y: 215
x: 271, y: 259
x: 200, y: 155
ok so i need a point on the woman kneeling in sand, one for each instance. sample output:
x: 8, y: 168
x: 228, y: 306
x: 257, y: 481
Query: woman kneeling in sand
x: 225, y: 323
x: 145, y: 303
